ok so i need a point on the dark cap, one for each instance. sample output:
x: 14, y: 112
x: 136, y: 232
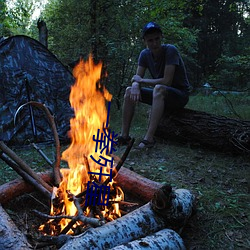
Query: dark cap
x: 150, y: 27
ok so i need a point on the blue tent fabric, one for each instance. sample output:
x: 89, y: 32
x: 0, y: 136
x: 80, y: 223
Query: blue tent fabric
x: 29, y: 71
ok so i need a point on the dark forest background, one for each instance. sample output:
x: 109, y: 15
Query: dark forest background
x: 212, y: 35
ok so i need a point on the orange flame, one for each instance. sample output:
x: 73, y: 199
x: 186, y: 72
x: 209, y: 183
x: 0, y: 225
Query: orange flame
x: 88, y: 99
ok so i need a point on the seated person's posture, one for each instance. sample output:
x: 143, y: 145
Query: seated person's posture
x: 168, y: 89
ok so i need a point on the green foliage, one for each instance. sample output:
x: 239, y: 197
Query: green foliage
x: 20, y: 16
x: 4, y: 19
x: 233, y: 72
x: 212, y: 36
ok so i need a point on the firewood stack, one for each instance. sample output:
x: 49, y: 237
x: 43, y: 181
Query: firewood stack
x: 154, y: 225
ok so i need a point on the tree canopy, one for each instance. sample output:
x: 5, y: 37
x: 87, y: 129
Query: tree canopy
x: 213, y: 35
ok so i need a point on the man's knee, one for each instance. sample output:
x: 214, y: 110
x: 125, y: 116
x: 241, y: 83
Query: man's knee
x: 127, y: 92
x: 159, y: 91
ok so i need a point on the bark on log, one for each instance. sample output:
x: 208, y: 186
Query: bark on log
x: 10, y: 237
x: 163, y: 239
x: 18, y: 187
x: 137, y: 185
x: 131, y: 182
x: 148, y: 219
x: 212, y: 131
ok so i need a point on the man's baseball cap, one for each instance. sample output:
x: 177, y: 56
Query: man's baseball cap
x: 149, y: 27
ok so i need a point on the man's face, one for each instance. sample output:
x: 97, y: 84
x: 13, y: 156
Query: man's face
x: 153, y: 40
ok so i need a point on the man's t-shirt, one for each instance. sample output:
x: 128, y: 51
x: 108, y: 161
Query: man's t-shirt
x: 171, y: 56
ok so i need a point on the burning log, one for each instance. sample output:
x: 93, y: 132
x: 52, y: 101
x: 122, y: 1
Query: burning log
x: 131, y: 182
x: 163, y: 239
x: 165, y: 210
x: 216, y: 132
x: 10, y: 237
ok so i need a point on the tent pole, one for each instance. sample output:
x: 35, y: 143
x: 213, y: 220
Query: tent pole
x: 33, y: 125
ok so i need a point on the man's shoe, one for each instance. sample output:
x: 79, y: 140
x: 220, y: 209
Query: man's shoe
x: 122, y: 141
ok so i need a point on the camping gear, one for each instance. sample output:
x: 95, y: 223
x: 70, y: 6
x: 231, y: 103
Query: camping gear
x: 30, y: 72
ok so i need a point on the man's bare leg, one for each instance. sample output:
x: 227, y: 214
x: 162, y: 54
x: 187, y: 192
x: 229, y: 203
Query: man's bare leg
x: 156, y: 113
x: 128, y: 110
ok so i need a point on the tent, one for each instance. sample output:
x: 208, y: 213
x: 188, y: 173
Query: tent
x: 30, y: 72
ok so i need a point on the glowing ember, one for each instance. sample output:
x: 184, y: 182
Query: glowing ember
x: 88, y: 99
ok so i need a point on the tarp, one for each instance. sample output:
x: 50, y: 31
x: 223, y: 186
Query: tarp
x: 29, y: 71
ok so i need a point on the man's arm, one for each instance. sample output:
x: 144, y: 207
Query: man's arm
x: 135, y: 93
x: 166, y: 80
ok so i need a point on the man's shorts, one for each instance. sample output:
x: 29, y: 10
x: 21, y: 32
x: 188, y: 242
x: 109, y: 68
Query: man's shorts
x: 175, y: 99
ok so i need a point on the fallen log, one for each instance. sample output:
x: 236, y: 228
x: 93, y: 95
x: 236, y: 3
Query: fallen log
x: 163, y: 239
x: 10, y: 237
x: 148, y: 219
x: 212, y: 131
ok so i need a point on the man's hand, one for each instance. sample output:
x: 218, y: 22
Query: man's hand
x: 135, y: 93
x: 136, y: 78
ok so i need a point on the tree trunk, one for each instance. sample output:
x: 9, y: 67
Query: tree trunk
x: 43, y: 32
x: 10, y: 237
x: 212, y: 131
x: 163, y: 239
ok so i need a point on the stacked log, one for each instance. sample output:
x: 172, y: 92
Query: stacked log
x: 167, y: 209
x: 163, y: 239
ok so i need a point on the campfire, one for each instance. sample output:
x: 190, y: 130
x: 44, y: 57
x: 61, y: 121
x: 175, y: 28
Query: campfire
x: 89, y: 157
x: 86, y: 197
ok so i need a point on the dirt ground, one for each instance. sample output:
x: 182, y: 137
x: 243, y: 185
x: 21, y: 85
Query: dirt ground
x: 220, y: 182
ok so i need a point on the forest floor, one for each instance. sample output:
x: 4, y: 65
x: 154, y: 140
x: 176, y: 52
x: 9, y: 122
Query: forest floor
x: 219, y: 180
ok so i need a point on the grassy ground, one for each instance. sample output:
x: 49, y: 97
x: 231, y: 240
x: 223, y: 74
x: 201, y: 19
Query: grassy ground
x: 219, y: 180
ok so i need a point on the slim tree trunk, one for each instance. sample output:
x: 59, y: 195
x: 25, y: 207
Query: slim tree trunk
x: 43, y: 32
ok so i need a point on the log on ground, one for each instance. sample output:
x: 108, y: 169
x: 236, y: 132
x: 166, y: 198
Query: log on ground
x: 131, y: 182
x: 150, y: 218
x: 163, y: 239
x: 10, y: 237
x: 137, y: 185
x: 18, y: 187
x: 212, y: 131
